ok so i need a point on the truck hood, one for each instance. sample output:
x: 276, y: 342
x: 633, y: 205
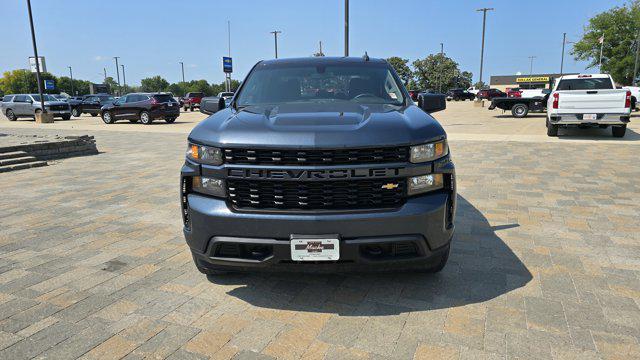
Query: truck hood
x: 318, y: 125
x: 49, y: 103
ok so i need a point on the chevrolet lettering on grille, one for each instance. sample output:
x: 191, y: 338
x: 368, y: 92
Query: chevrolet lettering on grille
x: 328, y: 174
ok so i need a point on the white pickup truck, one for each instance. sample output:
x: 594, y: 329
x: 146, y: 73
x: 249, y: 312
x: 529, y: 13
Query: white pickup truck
x: 588, y: 101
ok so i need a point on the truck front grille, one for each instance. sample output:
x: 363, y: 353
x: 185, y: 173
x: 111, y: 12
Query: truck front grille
x: 316, y: 195
x: 316, y: 157
x: 59, y: 107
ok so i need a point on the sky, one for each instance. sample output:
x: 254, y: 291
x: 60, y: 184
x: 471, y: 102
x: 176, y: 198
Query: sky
x: 151, y: 37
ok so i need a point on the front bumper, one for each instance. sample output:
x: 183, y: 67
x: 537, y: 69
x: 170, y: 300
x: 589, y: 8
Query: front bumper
x: 601, y: 119
x: 424, y: 223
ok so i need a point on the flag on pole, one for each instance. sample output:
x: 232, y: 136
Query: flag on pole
x: 601, y: 39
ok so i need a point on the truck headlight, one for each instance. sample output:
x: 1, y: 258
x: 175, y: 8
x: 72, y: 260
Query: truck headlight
x: 208, y: 186
x: 425, y: 183
x: 429, y: 152
x: 204, y: 154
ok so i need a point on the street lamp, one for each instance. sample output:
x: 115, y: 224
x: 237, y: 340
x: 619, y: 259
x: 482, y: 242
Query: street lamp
x: 531, y: 66
x: 71, y: 75
x: 346, y: 27
x: 484, y: 26
x: 124, y: 79
x: 182, y: 65
x: 275, y: 38
x: 117, y: 73
x: 35, y: 52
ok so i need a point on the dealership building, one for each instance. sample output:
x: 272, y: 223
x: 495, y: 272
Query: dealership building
x: 533, y: 81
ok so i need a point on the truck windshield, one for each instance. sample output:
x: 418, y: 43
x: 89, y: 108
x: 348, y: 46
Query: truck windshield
x: 585, y: 84
x: 310, y: 83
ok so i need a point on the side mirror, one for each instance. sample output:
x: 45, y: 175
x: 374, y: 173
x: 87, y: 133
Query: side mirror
x: 29, y: 101
x: 431, y: 103
x: 210, y: 106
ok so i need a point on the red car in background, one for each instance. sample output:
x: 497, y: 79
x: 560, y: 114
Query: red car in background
x: 192, y: 100
x: 514, y: 93
x: 414, y: 94
x: 489, y: 94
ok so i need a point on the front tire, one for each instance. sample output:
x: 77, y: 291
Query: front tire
x: 552, y: 130
x: 170, y: 120
x: 107, y: 117
x: 618, y: 131
x: 75, y: 112
x: 11, y: 116
x: 66, y: 117
x: 191, y: 108
x: 145, y: 118
x: 520, y: 110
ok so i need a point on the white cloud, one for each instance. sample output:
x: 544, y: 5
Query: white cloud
x: 192, y: 65
x: 99, y: 58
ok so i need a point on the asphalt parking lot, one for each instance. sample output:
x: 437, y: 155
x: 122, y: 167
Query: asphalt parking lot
x: 545, y: 260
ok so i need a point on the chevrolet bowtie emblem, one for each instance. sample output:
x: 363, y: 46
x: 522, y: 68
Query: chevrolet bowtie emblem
x: 389, y: 186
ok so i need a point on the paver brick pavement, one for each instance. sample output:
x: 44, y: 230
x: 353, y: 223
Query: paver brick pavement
x: 545, y: 264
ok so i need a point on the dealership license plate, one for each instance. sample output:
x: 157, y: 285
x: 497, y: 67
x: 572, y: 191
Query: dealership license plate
x: 589, y: 117
x: 315, y: 248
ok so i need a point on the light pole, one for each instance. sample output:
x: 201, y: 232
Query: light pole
x: 531, y: 65
x: 346, y: 27
x: 124, y: 79
x: 182, y: 66
x: 105, y: 75
x: 117, y: 73
x: 275, y: 38
x: 35, y: 52
x: 635, y: 65
x: 564, y: 41
x: 441, y: 48
x: 71, y: 75
x: 484, y: 26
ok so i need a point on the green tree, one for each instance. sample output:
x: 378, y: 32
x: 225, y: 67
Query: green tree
x: 80, y: 87
x: 439, y: 72
x: 152, y: 84
x: 401, y: 67
x: 200, y: 86
x: 111, y: 83
x: 23, y: 81
x: 619, y: 26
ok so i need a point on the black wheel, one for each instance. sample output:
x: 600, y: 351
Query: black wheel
x: 11, y: 116
x: 66, y: 117
x: 618, y: 131
x: 184, y: 108
x: 456, y: 99
x: 191, y: 108
x: 94, y: 114
x: 75, y: 112
x: 519, y: 110
x: 552, y: 130
x: 133, y: 121
x: 107, y: 117
x: 170, y: 120
x: 145, y: 118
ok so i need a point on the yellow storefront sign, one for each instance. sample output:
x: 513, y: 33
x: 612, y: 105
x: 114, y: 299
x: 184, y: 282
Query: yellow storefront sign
x: 532, y: 79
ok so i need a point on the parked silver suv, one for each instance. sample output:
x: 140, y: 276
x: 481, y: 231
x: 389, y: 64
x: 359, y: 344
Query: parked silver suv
x: 27, y: 105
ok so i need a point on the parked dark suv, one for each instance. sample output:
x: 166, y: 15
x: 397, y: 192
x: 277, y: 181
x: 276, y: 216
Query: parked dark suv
x: 459, y: 94
x: 145, y: 107
x: 319, y: 164
x: 91, y: 104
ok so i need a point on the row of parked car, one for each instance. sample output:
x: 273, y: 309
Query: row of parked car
x: 470, y: 93
x: 143, y: 107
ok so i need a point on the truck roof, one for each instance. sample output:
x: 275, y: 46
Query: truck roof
x: 321, y: 60
x: 581, y: 76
